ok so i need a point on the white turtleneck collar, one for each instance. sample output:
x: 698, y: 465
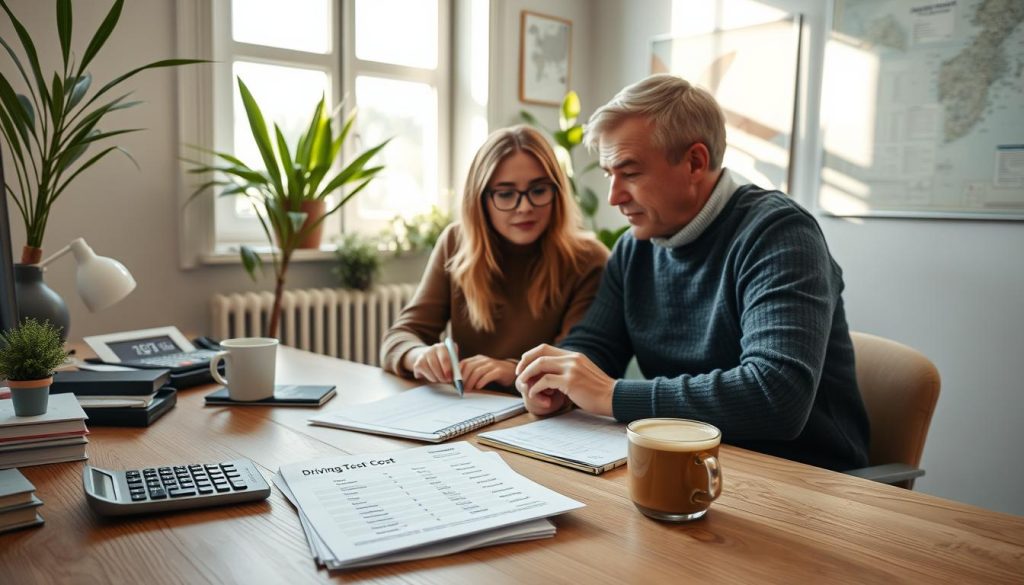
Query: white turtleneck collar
x: 720, y: 195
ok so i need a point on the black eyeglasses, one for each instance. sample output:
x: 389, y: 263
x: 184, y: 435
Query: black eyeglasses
x: 539, y: 195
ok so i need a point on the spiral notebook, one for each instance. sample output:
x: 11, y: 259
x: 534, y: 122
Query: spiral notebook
x: 432, y: 413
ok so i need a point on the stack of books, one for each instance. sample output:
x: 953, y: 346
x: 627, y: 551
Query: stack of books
x: 18, y: 503
x: 128, y: 398
x: 54, y: 437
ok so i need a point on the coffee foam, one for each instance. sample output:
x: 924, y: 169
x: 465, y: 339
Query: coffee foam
x: 666, y: 434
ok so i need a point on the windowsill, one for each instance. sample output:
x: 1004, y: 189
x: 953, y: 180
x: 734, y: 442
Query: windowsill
x: 229, y: 254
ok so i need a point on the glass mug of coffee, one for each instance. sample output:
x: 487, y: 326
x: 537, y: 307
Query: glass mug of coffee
x: 674, y: 473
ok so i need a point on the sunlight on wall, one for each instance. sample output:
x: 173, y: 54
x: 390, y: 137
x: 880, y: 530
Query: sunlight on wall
x: 848, y: 102
x: 701, y: 16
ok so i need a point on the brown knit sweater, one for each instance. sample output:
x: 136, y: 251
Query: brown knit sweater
x: 438, y: 300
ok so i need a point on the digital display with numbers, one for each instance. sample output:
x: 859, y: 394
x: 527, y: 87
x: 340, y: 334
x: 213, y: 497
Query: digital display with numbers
x: 144, y: 348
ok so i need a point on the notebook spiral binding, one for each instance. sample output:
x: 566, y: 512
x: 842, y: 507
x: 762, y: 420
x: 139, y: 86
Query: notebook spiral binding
x: 465, y: 426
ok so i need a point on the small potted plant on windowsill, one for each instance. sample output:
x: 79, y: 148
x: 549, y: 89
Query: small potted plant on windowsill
x: 29, y: 353
x: 357, y: 262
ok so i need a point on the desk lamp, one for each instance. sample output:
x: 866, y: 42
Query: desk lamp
x: 100, y: 281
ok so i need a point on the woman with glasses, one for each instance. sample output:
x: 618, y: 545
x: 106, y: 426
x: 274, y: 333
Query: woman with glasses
x: 516, y: 272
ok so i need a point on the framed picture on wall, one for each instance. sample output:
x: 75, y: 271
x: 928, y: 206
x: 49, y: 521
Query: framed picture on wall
x: 545, y: 58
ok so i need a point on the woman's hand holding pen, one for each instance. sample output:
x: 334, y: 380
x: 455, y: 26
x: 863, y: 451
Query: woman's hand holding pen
x: 432, y: 363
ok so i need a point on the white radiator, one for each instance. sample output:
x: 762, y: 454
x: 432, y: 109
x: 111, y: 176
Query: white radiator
x: 338, y: 322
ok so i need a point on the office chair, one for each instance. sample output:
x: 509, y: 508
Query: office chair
x: 900, y: 387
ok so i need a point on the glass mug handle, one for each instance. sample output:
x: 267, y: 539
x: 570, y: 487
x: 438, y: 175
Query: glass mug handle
x: 714, y: 470
x: 215, y: 364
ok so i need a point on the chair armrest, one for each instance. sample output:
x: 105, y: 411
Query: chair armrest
x: 889, y: 473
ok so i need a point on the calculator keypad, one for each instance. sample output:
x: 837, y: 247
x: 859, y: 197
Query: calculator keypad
x: 181, y: 480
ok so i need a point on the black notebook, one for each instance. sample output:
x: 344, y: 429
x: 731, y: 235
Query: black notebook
x: 118, y: 383
x: 284, y: 395
x: 164, y: 400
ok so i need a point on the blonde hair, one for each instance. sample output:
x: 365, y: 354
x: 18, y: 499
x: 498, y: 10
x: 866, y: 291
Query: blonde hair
x: 680, y: 114
x: 475, y: 266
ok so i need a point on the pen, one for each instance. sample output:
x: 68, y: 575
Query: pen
x: 456, y: 370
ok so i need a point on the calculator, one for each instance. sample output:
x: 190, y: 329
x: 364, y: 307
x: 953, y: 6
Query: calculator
x: 160, y: 347
x: 169, y: 488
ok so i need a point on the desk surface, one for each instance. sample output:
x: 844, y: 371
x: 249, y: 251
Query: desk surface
x: 777, y: 521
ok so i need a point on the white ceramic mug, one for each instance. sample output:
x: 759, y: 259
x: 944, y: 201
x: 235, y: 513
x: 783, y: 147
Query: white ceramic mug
x: 250, y: 363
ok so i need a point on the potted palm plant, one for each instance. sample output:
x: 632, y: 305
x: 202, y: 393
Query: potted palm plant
x: 50, y: 129
x: 29, y: 353
x: 290, y: 177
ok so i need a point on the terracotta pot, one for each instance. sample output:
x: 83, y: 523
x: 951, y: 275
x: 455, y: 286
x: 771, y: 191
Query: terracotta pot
x: 30, y: 397
x: 314, y: 211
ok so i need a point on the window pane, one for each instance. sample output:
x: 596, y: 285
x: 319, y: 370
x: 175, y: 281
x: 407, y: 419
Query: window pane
x: 402, y: 32
x: 406, y: 111
x: 301, y: 25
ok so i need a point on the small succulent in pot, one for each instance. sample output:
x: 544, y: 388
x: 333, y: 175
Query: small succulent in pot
x: 29, y: 354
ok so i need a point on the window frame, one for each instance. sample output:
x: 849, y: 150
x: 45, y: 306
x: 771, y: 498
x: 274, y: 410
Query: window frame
x: 205, y: 97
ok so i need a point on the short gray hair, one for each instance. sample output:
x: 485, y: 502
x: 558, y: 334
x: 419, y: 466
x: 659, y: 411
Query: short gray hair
x: 681, y: 114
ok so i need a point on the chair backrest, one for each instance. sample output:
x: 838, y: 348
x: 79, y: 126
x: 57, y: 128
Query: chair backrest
x: 900, y: 387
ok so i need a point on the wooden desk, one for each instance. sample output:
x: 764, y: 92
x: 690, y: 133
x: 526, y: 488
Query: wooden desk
x: 776, y: 521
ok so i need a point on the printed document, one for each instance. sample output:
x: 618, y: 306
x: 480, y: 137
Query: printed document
x: 582, y: 441
x: 427, y: 501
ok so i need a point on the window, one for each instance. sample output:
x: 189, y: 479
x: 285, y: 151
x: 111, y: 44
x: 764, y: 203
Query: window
x: 393, y: 69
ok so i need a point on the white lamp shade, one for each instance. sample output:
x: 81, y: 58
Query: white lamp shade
x: 101, y: 281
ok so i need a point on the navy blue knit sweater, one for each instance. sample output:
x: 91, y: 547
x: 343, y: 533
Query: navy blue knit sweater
x: 743, y: 328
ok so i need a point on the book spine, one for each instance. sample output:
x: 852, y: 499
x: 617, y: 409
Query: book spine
x: 465, y: 426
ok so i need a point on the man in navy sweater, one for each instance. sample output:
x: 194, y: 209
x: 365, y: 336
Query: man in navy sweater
x: 726, y: 293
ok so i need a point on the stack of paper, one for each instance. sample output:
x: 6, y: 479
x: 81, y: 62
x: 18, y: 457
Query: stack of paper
x: 53, y: 437
x: 360, y: 510
x: 18, y: 502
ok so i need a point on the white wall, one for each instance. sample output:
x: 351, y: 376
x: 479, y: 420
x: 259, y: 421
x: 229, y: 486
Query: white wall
x: 131, y: 214
x: 950, y: 288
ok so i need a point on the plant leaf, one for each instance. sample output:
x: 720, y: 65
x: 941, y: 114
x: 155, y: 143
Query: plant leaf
x: 30, y: 113
x: 80, y: 87
x: 101, y: 35
x: 79, y: 170
x: 30, y: 52
x: 348, y: 172
x: 251, y: 261
x: 58, y: 100
x: 570, y: 110
x: 609, y: 237
x: 574, y: 136
x: 259, y: 133
x: 137, y: 70
x: 286, y: 161
x: 297, y: 218
x: 562, y: 139
x: 64, y: 29
x: 17, y: 62
x: 303, y: 150
x: 13, y: 107
x: 588, y: 201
